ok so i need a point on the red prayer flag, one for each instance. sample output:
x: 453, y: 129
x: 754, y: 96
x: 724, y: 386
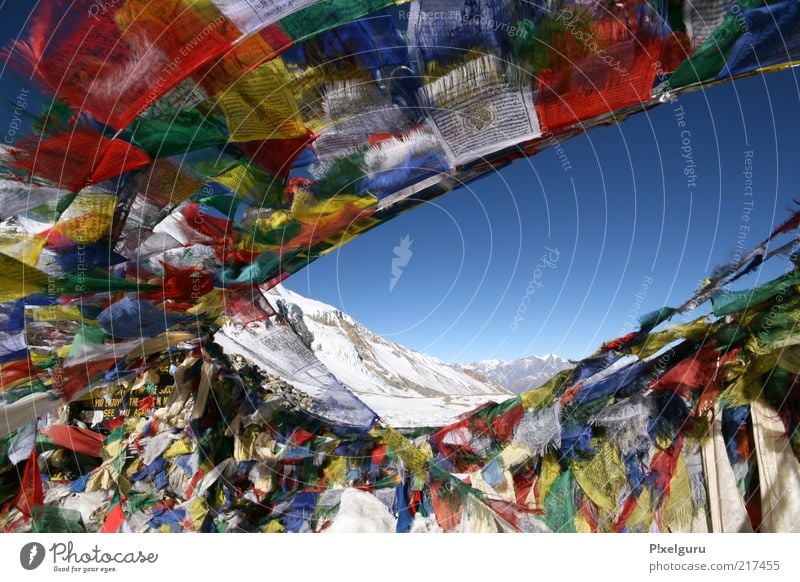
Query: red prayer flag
x: 30, y: 487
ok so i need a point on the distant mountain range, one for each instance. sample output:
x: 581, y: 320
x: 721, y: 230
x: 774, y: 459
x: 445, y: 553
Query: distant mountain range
x: 520, y: 375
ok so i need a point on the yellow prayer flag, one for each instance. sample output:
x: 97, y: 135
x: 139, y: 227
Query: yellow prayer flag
x: 18, y: 279
x: 679, y: 506
x: 260, y: 105
x: 548, y: 474
x: 23, y: 247
x: 601, y: 476
x: 89, y: 217
x: 56, y: 313
x: 694, y: 330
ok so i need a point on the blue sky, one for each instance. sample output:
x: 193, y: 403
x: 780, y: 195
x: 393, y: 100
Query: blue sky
x: 622, y: 216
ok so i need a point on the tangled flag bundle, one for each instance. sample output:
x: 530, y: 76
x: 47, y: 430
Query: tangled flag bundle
x: 191, y: 154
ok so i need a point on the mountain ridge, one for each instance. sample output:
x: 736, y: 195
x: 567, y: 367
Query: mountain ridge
x: 521, y: 374
x: 396, y: 381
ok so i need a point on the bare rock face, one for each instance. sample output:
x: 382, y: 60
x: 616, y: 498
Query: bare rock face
x: 294, y: 317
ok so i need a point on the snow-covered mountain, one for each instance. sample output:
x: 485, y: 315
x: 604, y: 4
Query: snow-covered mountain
x: 519, y: 375
x: 402, y: 385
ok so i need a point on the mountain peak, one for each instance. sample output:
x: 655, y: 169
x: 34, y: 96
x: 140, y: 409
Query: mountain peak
x: 306, y: 304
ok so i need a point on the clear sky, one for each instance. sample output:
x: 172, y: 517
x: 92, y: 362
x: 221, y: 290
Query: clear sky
x: 621, y: 217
